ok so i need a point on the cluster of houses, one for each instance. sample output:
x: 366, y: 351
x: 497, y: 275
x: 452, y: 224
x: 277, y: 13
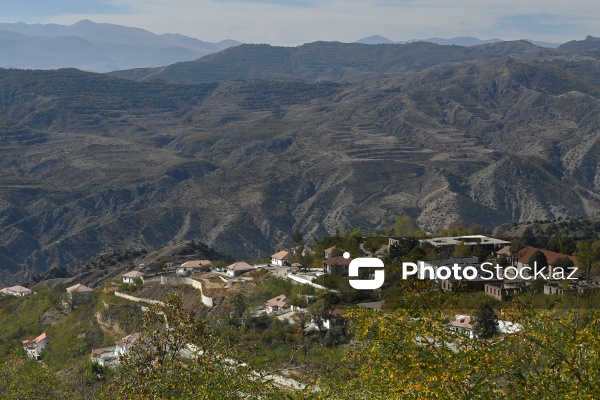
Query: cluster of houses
x: 109, y: 356
x: 503, y: 286
x: 280, y: 307
x: 193, y: 266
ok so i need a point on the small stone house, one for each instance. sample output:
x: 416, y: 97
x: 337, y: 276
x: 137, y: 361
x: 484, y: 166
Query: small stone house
x: 79, y: 293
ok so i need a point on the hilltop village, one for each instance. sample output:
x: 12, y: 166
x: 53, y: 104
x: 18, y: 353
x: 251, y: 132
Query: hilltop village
x: 314, y: 295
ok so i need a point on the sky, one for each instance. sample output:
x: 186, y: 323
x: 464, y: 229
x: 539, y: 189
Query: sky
x: 294, y: 22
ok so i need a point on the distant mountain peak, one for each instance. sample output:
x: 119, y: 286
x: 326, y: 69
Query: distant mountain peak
x: 375, y: 39
x: 590, y: 42
x: 98, y: 47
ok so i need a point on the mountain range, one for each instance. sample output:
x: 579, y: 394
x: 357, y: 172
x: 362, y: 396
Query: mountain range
x: 261, y: 141
x: 457, y: 41
x: 96, y: 47
x: 102, y: 47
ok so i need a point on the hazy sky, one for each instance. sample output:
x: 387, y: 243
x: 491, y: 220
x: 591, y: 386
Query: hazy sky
x: 293, y: 22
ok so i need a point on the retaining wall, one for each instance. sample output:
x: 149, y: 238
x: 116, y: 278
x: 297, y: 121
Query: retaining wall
x: 207, y: 301
x: 137, y: 299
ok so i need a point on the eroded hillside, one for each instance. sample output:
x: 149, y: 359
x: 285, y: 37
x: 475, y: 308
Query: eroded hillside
x: 91, y: 163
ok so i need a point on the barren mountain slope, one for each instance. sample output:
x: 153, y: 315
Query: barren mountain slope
x: 241, y: 164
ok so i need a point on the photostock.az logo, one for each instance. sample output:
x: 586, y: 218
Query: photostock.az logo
x: 366, y: 284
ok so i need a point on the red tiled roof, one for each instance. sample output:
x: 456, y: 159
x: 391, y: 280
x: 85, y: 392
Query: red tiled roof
x: 129, y: 339
x: 340, y: 260
x: 504, y: 251
x: 17, y: 289
x: 133, y: 274
x: 240, y: 266
x: 79, y: 288
x: 279, y: 301
x: 100, y: 351
x: 37, y: 339
x: 464, y: 321
x: 282, y: 255
x: 196, y: 263
x: 524, y: 254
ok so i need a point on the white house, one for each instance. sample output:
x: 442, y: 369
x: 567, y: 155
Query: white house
x: 125, y: 344
x: 239, y: 268
x: 330, y: 251
x: 105, y: 357
x: 18, y: 291
x: 281, y: 258
x: 35, y: 347
x: 131, y: 275
x: 462, y: 324
x: 192, y: 266
x: 276, y: 303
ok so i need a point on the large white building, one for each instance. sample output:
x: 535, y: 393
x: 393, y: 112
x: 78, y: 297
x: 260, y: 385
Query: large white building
x: 35, y: 347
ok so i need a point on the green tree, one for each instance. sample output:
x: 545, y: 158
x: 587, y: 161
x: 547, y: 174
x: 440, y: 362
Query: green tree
x: 539, y: 259
x: 240, y: 304
x: 178, y: 357
x: 485, y: 321
x: 587, y: 255
x: 297, y: 239
x: 563, y: 262
x: 462, y: 250
x: 23, y: 378
x: 405, y: 226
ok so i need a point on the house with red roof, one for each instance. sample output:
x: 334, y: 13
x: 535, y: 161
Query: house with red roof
x: 522, y: 258
x: 276, y: 303
x: 329, y: 252
x: 131, y: 275
x: 192, y: 266
x: 281, y: 258
x: 463, y: 324
x: 122, y: 346
x: 79, y: 293
x: 238, y: 268
x: 337, y: 265
x: 35, y: 347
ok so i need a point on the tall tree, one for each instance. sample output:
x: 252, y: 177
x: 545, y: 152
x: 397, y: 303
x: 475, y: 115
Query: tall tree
x: 588, y: 256
x: 405, y: 226
x: 178, y: 357
x: 297, y: 238
x: 538, y: 258
x: 485, y: 321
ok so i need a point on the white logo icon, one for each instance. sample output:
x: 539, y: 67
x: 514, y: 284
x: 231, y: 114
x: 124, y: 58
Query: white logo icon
x: 366, y: 284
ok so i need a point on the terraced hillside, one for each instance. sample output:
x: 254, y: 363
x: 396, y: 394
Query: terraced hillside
x: 92, y: 163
